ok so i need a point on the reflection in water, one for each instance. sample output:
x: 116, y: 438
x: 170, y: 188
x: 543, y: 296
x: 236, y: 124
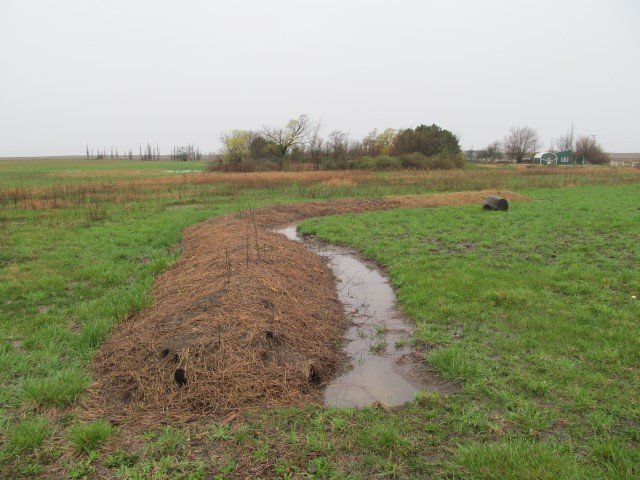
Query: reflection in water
x: 377, y: 337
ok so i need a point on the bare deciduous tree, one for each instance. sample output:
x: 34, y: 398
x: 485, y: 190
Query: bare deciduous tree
x: 589, y: 150
x: 369, y: 143
x: 338, y: 145
x: 494, y: 151
x: 292, y: 134
x: 519, y: 142
x: 186, y: 153
x: 565, y: 142
x: 315, y: 144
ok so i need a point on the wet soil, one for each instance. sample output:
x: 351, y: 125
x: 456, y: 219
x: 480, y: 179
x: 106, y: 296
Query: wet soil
x: 381, y: 367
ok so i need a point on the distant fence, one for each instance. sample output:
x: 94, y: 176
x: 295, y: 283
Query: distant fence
x: 628, y: 163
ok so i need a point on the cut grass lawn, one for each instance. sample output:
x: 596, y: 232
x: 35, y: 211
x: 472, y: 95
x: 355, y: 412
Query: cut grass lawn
x: 530, y: 310
x: 535, y: 311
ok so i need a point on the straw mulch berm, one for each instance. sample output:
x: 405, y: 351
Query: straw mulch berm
x: 245, y: 319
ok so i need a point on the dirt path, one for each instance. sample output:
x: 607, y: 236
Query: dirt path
x: 245, y: 319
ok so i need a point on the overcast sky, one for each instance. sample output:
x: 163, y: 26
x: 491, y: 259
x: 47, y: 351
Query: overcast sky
x: 121, y: 73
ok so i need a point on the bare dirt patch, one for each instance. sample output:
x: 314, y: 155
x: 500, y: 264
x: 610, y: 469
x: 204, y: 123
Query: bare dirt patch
x: 246, y: 319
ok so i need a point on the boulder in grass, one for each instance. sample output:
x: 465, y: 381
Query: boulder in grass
x: 494, y: 202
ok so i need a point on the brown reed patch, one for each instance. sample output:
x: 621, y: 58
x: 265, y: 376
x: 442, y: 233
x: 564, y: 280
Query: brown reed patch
x: 452, y: 199
x: 62, y: 195
x: 200, y: 185
x: 246, y: 319
x: 338, y: 182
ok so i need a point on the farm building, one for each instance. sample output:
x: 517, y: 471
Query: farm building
x: 564, y: 157
x: 545, y: 158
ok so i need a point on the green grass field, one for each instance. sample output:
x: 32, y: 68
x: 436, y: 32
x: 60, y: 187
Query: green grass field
x: 47, y: 171
x: 536, y: 312
x: 530, y: 310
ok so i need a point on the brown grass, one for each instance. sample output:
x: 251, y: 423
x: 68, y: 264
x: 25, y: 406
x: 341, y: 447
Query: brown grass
x: 311, y: 184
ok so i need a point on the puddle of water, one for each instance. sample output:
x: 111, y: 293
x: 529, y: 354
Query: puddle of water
x: 377, y: 340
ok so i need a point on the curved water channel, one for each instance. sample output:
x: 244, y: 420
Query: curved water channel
x: 382, y: 368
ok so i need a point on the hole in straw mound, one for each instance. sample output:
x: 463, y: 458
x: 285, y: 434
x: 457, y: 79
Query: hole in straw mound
x: 273, y: 337
x: 267, y: 303
x: 313, y: 375
x: 180, y: 376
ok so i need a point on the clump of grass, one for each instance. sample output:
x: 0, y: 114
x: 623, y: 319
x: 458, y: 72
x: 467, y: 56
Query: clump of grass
x: 530, y: 417
x: 383, y: 437
x: 381, y: 330
x: 84, y: 468
x: 320, y: 468
x: 517, y: 459
x: 400, y: 343
x: 168, y: 441
x: 28, y: 435
x: 361, y: 333
x: 220, y: 432
x: 618, y: 459
x: 60, y: 389
x: 428, y: 398
x: 171, y: 467
x: 379, y: 347
x: 339, y: 424
x: 120, y: 459
x: 261, y: 453
x: 454, y: 363
x: 86, y: 437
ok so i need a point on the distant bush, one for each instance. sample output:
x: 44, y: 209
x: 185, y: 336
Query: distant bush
x: 441, y: 161
x: 245, y: 165
x: 338, y: 164
x: 587, y: 148
x: 428, y: 140
x: 382, y: 162
x: 415, y: 160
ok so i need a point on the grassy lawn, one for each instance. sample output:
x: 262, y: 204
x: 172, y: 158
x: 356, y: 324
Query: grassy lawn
x: 530, y: 310
x: 46, y: 171
x: 535, y: 312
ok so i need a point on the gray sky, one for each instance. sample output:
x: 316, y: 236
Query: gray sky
x: 121, y: 73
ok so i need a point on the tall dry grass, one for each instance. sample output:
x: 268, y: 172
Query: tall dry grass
x: 308, y: 184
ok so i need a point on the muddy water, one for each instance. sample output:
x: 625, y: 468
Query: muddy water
x: 381, y: 368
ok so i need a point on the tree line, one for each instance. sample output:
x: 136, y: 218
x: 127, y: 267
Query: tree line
x: 301, y: 141
x: 185, y: 153
x: 522, y: 143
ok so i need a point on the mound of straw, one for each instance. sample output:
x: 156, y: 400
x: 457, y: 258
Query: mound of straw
x: 246, y: 319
